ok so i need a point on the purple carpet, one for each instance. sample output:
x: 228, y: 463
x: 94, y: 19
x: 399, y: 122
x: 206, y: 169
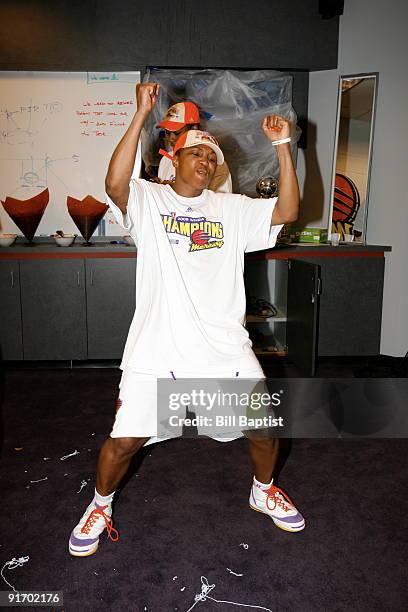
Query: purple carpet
x: 184, y: 513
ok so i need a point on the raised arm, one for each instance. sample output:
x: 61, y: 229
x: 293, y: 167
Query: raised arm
x: 286, y: 210
x: 123, y: 159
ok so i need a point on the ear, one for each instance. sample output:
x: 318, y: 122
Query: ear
x: 175, y: 161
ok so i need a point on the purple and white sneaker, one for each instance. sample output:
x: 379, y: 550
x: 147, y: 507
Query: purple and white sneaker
x: 84, y: 538
x: 271, y: 500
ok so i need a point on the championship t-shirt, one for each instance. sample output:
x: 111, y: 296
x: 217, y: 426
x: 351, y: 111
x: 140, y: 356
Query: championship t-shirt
x: 190, y: 294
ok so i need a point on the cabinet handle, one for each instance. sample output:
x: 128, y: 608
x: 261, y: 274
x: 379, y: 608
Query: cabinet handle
x: 91, y: 277
x: 78, y: 279
x: 12, y: 278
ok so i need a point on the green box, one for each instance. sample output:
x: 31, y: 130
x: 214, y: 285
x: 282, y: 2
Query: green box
x: 309, y: 234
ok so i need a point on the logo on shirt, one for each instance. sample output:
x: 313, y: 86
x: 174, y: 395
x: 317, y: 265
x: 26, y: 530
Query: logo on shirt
x: 202, y: 233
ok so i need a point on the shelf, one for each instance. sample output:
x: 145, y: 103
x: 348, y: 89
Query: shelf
x: 280, y: 317
x: 274, y: 349
x: 269, y: 353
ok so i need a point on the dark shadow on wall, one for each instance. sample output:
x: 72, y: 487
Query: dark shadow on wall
x: 312, y: 205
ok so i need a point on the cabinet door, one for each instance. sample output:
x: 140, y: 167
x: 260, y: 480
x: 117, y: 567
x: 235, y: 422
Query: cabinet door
x: 111, y: 293
x: 350, y: 305
x: 11, y: 339
x: 53, y: 309
x: 303, y: 314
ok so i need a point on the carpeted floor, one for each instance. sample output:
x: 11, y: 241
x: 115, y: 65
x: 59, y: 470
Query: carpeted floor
x: 184, y: 514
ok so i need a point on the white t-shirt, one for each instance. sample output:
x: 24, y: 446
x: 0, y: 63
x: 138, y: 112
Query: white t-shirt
x: 166, y: 172
x: 190, y: 295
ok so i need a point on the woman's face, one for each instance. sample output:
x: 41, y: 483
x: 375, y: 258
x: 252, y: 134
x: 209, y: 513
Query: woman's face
x: 195, y: 166
x: 170, y: 138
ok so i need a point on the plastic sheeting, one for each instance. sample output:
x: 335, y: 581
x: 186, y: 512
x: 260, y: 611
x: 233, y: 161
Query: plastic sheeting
x: 232, y: 106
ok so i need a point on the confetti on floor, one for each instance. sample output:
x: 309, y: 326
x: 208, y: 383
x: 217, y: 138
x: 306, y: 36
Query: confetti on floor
x: 83, y: 484
x: 206, y: 588
x: 233, y: 573
x: 11, y: 565
x: 76, y: 452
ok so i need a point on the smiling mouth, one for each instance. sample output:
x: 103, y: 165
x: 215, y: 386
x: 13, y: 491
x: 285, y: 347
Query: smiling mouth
x: 202, y: 172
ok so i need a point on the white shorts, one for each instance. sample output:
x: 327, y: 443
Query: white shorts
x: 136, y: 407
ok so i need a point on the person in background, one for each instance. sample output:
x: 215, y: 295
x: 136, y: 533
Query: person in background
x: 178, y: 119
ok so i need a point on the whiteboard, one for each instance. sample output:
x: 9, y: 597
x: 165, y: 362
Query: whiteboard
x: 59, y: 130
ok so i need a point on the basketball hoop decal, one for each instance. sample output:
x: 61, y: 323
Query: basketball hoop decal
x: 346, y: 199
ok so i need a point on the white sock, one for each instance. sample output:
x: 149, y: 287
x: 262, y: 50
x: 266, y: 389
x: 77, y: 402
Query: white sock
x: 262, y: 485
x: 103, y: 500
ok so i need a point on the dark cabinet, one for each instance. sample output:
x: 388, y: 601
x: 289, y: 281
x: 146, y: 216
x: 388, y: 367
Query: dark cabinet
x: 329, y: 302
x: 66, y: 309
x: 111, y: 289
x: 53, y: 305
x: 302, y: 323
x: 350, y: 305
x: 345, y: 316
x: 11, y: 339
x: 76, y: 306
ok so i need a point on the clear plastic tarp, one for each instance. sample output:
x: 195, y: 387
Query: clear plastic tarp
x: 232, y: 106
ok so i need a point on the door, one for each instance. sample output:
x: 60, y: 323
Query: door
x: 303, y: 314
x: 11, y: 339
x: 111, y: 295
x: 53, y: 309
x: 351, y: 306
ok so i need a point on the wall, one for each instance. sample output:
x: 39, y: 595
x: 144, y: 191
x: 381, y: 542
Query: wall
x: 132, y: 34
x: 372, y: 39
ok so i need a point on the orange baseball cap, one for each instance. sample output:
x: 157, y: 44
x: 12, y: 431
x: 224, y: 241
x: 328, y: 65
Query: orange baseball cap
x: 194, y: 138
x: 179, y: 115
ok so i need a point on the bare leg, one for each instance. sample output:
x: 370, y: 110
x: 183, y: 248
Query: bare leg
x: 264, y: 454
x: 114, y: 460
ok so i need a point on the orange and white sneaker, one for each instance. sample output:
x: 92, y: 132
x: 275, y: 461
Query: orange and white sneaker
x: 84, y: 538
x: 271, y: 500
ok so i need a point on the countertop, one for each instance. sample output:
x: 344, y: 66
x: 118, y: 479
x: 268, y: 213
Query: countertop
x: 108, y: 247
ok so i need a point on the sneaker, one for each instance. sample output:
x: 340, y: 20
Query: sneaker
x: 274, y: 502
x: 84, y: 538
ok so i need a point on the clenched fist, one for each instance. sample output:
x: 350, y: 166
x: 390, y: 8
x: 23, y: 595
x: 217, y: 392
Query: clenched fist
x: 276, y: 127
x: 146, y: 96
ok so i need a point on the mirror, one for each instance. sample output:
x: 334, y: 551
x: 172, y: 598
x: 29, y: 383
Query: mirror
x: 352, y: 156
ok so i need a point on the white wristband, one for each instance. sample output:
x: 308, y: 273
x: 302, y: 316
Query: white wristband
x: 281, y: 141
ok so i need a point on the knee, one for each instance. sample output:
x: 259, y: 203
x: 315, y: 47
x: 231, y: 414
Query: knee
x: 261, y: 441
x: 123, y: 447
